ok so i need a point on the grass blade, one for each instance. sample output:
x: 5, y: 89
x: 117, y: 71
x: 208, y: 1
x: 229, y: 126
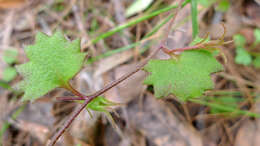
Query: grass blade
x: 194, y: 14
x: 226, y: 108
x: 133, y: 22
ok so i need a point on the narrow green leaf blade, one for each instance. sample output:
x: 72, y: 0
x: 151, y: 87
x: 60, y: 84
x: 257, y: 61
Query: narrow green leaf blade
x: 194, y: 15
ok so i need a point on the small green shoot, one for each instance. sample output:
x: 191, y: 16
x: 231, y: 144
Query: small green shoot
x: 242, y: 56
x: 239, y: 40
x: 101, y: 104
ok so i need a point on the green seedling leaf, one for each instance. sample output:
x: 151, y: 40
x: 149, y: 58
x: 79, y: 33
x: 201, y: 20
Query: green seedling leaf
x: 243, y: 57
x: 53, y: 62
x: 223, y: 6
x: 256, y: 62
x: 9, y: 74
x: 257, y: 36
x: 187, y: 77
x: 239, y: 41
x: 10, y: 55
x: 102, y: 104
x: 137, y: 6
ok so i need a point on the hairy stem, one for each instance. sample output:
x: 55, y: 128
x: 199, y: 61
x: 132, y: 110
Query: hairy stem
x: 96, y: 94
x: 74, y: 91
x: 70, y: 98
x: 109, y: 86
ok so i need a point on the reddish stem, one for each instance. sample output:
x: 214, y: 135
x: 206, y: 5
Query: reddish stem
x: 74, y: 91
x: 107, y: 87
x: 96, y: 94
x: 70, y: 98
x: 170, y: 51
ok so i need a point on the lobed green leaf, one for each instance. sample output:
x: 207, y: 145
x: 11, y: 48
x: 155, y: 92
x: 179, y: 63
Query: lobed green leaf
x: 187, y: 77
x: 243, y: 57
x: 53, y: 62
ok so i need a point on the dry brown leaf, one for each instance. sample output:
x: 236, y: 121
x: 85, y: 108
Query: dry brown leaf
x: 156, y: 121
x: 112, y: 61
x: 249, y: 133
x: 130, y: 88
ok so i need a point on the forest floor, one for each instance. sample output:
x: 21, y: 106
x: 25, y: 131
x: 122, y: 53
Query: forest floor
x: 143, y: 120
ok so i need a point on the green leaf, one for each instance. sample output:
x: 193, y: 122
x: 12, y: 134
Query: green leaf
x: 187, y: 77
x: 53, y: 62
x: 100, y: 104
x: 243, y: 57
x: 9, y: 56
x: 137, y: 6
x: 256, y: 62
x: 9, y: 74
x: 223, y: 6
x: 257, y: 36
x: 239, y: 40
